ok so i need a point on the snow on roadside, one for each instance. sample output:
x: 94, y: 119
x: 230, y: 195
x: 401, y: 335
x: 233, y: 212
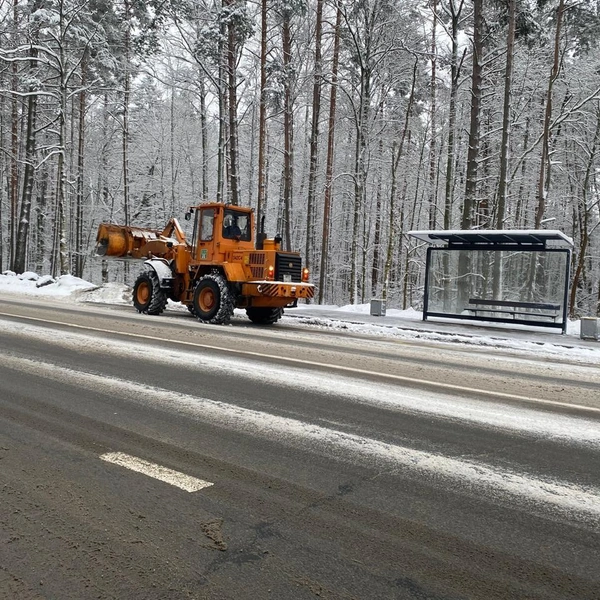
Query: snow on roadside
x: 398, y: 324
x: 365, y: 309
x: 69, y: 289
x: 109, y: 293
x: 550, y: 349
x: 31, y: 284
x: 410, y: 314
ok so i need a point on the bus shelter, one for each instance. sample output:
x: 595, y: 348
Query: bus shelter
x: 518, y: 277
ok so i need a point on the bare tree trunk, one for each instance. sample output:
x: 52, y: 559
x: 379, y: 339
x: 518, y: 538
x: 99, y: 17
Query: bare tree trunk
x: 391, y: 245
x: 262, y: 120
x: 364, y: 59
x: 204, y: 128
x: 30, y: 137
x: 61, y: 196
x: 126, y: 100
x: 520, y: 210
x: 433, y: 125
x: 79, y: 243
x: 62, y: 222
x: 172, y: 151
x: 475, y: 126
x: 585, y: 217
x: 360, y: 171
x: 254, y: 112
x: 3, y: 163
x: 470, y: 199
x: 455, y: 68
x: 222, y: 113
x: 232, y: 102
x: 397, y: 152
x: 330, y: 152
x: 14, y: 169
x: 359, y: 183
x: 60, y: 253
x: 377, y: 235
x: 407, y: 288
x: 72, y: 198
x: 366, y: 228
x: 61, y: 177
x: 506, y: 120
x: 125, y: 133
x: 288, y: 130
x: 41, y: 219
x: 102, y: 191
x: 314, y: 134
x: 544, y: 177
x: 506, y: 126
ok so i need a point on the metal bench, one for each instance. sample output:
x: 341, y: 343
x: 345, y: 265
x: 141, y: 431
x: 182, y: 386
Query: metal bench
x: 552, y: 311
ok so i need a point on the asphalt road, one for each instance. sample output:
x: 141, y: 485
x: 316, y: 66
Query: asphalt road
x: 324, y: 465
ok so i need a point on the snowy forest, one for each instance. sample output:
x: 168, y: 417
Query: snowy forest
x: 346, y: 124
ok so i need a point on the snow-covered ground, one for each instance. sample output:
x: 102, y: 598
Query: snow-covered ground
x: 354, y: 319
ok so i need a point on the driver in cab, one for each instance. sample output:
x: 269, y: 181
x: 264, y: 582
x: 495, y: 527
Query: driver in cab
x: 230, y: 228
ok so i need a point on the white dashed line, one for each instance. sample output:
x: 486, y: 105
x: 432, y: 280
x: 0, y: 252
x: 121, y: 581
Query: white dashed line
x: 180, y: 480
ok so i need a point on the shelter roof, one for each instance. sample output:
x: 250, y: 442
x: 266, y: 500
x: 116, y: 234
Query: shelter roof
x: 526, y: 239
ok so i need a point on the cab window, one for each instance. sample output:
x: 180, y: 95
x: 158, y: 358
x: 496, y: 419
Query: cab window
x: 207, y: 222
x: 236, y: 225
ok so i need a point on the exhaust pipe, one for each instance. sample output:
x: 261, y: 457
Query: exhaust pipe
x: 262, y: 236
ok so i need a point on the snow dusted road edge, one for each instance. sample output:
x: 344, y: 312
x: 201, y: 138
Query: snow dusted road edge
x: 523, y: 421
x: 400, y: 324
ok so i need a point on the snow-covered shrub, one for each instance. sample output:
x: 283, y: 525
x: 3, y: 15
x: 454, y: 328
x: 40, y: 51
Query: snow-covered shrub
x: 44, y: 280
x: 29, y: 276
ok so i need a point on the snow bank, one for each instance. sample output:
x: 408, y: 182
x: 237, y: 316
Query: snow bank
x: 364, y: 309
x: 31, y: 284
x: 109, y: 293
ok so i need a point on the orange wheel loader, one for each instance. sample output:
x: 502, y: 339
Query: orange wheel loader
x: 220, y: 269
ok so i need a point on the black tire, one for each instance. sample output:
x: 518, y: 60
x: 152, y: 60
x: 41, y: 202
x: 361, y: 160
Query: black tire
x: 213, y: 300
x: 148, y: 297
x: 264, y: 315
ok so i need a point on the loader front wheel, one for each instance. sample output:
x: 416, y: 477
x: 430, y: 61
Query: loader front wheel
x: 148, y: 297
x: 213, y: 300
x: 264, y: 315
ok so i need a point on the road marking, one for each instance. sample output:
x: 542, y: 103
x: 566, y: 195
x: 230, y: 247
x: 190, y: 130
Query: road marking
x: 299, y: 361
x: 180, y: 480
x: 437, y: 469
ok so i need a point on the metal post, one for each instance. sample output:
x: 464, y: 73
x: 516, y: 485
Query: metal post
x: 566, y: 296
x: 426, y: 287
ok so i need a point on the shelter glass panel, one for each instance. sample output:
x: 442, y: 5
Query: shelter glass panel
x: 478, y: 283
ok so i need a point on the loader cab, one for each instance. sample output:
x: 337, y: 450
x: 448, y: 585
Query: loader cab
x: 219, y: 229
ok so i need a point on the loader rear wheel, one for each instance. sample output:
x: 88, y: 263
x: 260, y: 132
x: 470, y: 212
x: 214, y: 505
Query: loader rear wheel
x: 148, y: 298
x: 264, y: 315
x: 213, y: 300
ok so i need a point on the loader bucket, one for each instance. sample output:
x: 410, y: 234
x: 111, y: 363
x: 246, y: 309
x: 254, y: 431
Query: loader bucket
x: 111, y: 240
x: 122, y: 241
